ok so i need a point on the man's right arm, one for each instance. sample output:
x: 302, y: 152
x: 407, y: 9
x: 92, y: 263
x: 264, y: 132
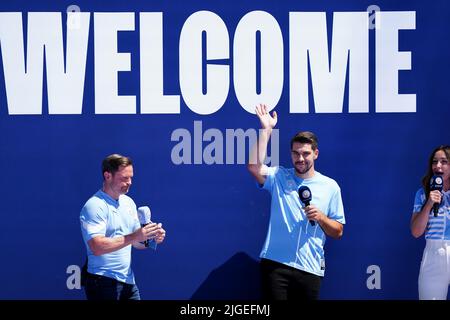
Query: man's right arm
x: 258, y: 152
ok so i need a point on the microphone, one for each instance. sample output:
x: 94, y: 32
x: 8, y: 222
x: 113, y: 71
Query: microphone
x: 305, y: 196
x: 436, y: 183
x: 144, y: 215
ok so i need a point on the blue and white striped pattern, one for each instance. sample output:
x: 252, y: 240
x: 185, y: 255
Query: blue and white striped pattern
x: 438, y: 228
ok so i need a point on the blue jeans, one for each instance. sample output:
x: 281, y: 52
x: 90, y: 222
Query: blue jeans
x: 105, y: 288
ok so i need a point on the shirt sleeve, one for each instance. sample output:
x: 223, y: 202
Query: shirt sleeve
x: 337, y: 207
x: 93, y: 219
x: 270, y: 179
x: 419, y: 200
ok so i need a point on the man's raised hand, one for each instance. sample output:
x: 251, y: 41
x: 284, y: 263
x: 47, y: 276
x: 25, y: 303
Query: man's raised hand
x: 267, y: 121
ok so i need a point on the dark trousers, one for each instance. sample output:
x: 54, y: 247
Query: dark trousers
x: 105, y: 288
x: 281, y: 282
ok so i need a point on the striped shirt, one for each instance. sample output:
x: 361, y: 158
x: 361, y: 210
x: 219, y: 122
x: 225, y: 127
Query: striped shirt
x: 438, y: 228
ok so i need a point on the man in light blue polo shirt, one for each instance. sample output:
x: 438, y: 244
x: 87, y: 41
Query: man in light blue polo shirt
x: 110, y: 225
x: 292, y: 258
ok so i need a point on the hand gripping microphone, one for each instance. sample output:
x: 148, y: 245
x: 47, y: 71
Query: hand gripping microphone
x: 144, y: 215
x: 305, y: 196
x: 436, y: 183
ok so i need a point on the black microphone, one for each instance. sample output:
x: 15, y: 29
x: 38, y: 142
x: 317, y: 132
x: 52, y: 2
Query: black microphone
x: 436, y: 183
x: 144, y: 215
x: 305, y: 196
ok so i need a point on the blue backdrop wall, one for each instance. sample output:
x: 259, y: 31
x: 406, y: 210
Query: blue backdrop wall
x: 378, y: 112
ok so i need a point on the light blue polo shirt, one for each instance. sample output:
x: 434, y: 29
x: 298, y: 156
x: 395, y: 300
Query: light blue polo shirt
x: 291, y: 240
x: 105, y: 216
x: 438, y: 228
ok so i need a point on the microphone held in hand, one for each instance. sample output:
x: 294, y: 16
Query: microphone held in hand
x: 305, y: 196
x: 436, y: 183
x: 144, y: 215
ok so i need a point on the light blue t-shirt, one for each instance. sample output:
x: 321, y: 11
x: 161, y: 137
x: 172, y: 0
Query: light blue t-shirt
x: 105, y: 216
x: 291, y: 239
x: 438, y: 228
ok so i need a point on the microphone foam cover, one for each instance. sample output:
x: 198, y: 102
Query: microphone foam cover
x: 144, y: 215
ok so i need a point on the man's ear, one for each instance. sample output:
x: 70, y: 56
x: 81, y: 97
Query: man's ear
x: 107, y: 175
x: 316, y: 154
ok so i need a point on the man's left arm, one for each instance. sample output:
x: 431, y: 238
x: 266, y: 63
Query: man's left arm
x: 161, y: 234
x: 331, y: 227
x: 333, y: 222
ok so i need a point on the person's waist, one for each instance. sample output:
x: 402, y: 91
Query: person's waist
x: 118, y: 260
x: 103, y: 278
x: 437, y: 243
x: 99, y: 276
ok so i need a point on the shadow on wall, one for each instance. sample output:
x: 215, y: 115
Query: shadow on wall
x: 237, y: 279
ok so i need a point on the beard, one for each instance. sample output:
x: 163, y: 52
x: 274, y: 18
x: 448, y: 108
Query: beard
x: 306, y: 168
x: 124, y: 190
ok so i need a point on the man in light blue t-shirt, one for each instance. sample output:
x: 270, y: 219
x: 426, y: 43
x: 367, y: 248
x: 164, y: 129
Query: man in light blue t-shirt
x: 292, y: 258
x: 110, y: 225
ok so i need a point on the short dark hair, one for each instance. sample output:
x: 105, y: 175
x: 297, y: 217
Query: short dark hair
x: 113, y: 162
x: 305, y: 137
